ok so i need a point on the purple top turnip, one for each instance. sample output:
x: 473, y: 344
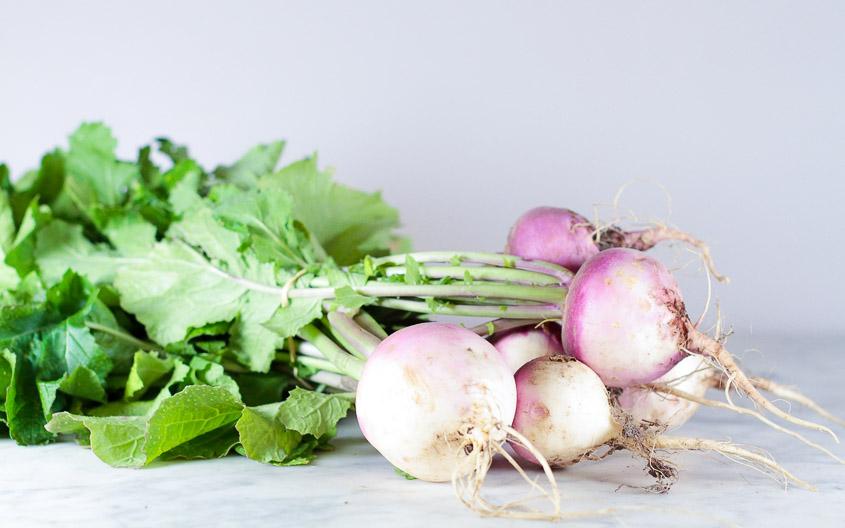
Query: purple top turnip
x: 625, y: 318
x: 562, y: 236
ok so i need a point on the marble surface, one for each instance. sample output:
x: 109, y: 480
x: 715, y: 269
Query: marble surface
x: 65, y: 485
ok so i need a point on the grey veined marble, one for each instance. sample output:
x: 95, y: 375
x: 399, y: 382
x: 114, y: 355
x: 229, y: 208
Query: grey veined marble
x: 65, y: 485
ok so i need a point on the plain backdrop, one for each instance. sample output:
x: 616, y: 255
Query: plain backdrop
x: 466, y: 114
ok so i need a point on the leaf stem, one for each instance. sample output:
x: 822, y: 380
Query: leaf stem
x: 356, y: 337
x: 492, y: 259
x: 123, y: 336
x: 546, y: 294
x: 500, y: 325
x: 534, y: 312
x: 346, y: 363
x: 369, y: 323
x: 483, y: 273
x: 322, y: 364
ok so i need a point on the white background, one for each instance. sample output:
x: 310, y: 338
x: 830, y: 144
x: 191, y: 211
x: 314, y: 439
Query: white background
x: 467, y: 114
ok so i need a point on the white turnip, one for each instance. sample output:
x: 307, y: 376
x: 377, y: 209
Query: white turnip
x: 437, y: 401
x: 563, y: 409
x: 520, y: 345
x: 692, y: 375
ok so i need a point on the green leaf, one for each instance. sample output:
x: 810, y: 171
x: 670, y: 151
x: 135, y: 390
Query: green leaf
x: 7, y: 365
x: 347, y: 222
x: 117, y: 433
x: 412, y: 271
x: 346, y: 297
x: 83, y: 382
x: 193, y: 412
x: 267, y: 216
x: 131, y: 234
x: 214, y: 444
x: 67, y: 347
x: 253, y: 344
x: 313, y: 413
x: 200, y: 229
x: 7, y: 224
x: 259, y: 389
x: 9, y: 279
x: 175, y: 289
x: 288, y: 320
x: 71, y: 296
x: 45, y: 185
x: 184, y: 180
x: 176, y: 152
x: 210, y: 329
x: 263, y: 437
x: 207, y: 372
x: 95, y: 178
x: 259, y: 161
x: 147, y: 369
x: 62, y: 246
x: 21, y: 254
x: 47, y: 391
x: 24, y: 411
x: 116, y: 342
x: 116, y: 440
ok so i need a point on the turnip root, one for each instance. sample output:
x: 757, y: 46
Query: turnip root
x: 671, y: 400
x: 521, y: 345
x: 437, y: 401
x: 565, y: 237
x: 625, y: 318
x: 563, y: 409
x: 719, y: 381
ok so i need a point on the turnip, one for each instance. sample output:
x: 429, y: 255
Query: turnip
x: 625, y: 318
x: 563, y: 409
x: 520, y: 345
x: 647, y: 405
x: 437, y: 401
x: 674, y: 397
x: 565, y: 237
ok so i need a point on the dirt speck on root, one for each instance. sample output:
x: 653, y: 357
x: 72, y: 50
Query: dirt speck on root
x: 679, y: 325
x: 638, y: 438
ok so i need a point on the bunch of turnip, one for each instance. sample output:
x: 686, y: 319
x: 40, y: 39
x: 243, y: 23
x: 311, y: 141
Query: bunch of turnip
x: 439, y: 401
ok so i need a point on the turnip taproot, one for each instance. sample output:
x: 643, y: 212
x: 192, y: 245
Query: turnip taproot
x: 567, y: 238
x: 563, y: 409
x: 719, y: 381
x: 625, y: 318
